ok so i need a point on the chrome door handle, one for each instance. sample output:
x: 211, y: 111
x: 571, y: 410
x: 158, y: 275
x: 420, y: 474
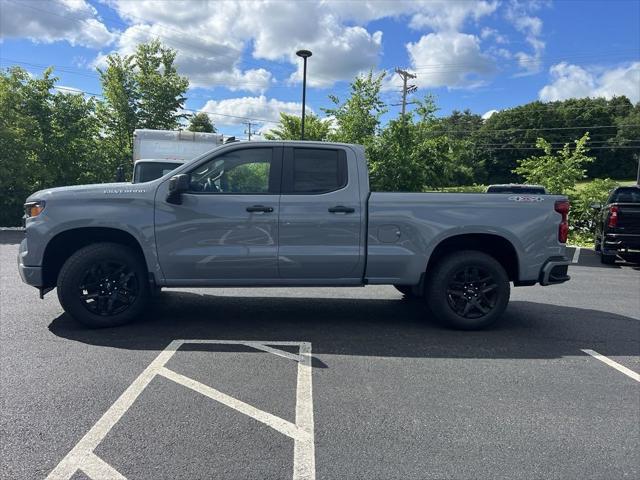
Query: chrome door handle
x: 260, y: 208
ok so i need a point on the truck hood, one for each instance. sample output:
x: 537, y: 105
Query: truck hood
x: 97, y: 190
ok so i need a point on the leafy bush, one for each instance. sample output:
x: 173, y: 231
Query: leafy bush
x: 583, y: 218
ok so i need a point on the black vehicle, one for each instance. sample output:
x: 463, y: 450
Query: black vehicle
x: 517, y: 188
x: 618, y: 227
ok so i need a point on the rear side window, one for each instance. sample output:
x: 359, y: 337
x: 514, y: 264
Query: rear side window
x: 315, y: 170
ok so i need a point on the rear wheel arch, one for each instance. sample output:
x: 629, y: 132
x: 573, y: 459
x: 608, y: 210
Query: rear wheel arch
x: 493, y: 245
x: 64, y: 244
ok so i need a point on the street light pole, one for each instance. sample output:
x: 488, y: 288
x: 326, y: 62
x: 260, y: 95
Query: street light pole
x: 304, y: 54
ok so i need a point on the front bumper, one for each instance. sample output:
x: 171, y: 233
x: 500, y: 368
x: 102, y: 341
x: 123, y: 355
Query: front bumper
x: 30, y: 275
x: 554, y: 271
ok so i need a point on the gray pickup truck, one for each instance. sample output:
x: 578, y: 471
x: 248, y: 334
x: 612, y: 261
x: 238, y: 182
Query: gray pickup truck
x: 287, y: 214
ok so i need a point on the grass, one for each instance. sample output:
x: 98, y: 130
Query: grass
x: 622, y: 183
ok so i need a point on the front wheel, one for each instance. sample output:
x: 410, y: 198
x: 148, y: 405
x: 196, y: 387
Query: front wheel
x: 104, y: 285
x: 468, y: 290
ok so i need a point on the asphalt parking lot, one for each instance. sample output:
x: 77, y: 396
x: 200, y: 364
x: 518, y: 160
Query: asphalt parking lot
x: 324, y: 383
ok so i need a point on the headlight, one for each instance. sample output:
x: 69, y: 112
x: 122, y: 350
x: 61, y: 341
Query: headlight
x: 33, y: 209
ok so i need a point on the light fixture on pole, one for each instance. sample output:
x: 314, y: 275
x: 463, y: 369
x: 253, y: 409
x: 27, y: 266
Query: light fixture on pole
x: 304, y: 54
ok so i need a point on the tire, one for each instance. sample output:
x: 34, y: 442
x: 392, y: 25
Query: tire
x: 607, y: 259
x: 467, y: 273
x: 406, y: 290
x: 104, y: 285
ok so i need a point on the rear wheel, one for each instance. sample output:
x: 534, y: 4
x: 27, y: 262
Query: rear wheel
x: 103, y: 285
x: 468, y: 290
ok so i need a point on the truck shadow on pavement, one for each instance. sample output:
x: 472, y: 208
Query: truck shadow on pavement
x: 364, y: 327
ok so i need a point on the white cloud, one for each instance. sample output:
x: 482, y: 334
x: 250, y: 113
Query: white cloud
x: 206, y: 62
x: 449, y: 59
x: 518, y: 13
x: 487, y: 115
x: 450, y: 15
x: 47, y: 21
x: 491, y: 33
x: 258, y: 108
x: 572, y: 81
x: 335, y: 31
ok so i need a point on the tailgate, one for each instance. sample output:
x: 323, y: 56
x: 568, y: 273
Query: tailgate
x: 628, y: 218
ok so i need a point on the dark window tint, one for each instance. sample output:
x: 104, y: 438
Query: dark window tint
x: 626, y: 195
x: 318, y: 170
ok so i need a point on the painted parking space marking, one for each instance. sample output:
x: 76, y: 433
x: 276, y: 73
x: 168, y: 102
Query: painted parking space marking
x: 82, y: 456
x: 576, y: 255
x: 621, y: 368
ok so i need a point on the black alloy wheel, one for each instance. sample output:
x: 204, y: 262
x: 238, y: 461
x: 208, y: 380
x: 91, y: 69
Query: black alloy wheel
x: 467, y: 290
x: 108, y: 288
x: 104, y: 285
x: 472, y: 292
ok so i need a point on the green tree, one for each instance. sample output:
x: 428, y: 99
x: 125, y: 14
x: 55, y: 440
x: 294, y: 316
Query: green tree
x: 411, y: 155
x: 159, y: 87
x: 142, y: 90
x: 200, y: 122
x: 290, y: 128
x: 47, y: 139
x: 118, y: 113
x: 558, y: 172
x: 358, y: 118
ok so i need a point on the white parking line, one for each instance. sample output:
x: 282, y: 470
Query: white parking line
x: 576, y: 255
x: 621, y: 368
x: 82, y: 456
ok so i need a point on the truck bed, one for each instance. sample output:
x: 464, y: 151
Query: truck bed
x: 404, y: 229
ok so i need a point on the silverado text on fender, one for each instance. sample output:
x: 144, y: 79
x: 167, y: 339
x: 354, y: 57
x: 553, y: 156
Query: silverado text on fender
x: 287, y: 213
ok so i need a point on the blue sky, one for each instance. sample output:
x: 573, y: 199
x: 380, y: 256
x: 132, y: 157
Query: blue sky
x: 478, y: 54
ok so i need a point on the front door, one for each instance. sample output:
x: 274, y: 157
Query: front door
x: 226, y: 228
x: 320, y: 216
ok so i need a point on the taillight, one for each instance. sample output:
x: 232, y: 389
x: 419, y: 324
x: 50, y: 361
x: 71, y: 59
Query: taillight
x: 562, y: 207
x: 613, y: 216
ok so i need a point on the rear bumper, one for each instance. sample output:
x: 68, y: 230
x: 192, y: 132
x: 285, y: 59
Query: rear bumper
x: 620, y: 242
x: 554, y: 271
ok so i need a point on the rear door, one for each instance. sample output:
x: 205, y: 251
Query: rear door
x: 225, y: 230
x: 320, y: 216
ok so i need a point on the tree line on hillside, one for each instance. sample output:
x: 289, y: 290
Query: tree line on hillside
x: 50, y: 137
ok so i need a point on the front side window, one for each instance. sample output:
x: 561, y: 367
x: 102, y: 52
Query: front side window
x: 318, y: 170
x: 239, y: 171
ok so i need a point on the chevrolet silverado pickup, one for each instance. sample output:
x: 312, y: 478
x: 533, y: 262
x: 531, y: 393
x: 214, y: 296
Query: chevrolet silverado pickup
x: 287, y: 214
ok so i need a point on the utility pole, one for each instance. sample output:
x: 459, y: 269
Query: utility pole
x: 405, y: 87
x: 250, y: 132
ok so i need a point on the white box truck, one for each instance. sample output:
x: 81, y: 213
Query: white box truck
x: 158, y: 152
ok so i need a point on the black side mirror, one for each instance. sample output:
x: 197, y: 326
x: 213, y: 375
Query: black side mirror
x: 178, y: 184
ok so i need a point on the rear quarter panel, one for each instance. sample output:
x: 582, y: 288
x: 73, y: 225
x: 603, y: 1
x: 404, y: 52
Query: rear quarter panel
x: 405, y: 228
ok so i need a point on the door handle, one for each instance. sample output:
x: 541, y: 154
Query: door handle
x: 341, y: 209
x: 259, y: 208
